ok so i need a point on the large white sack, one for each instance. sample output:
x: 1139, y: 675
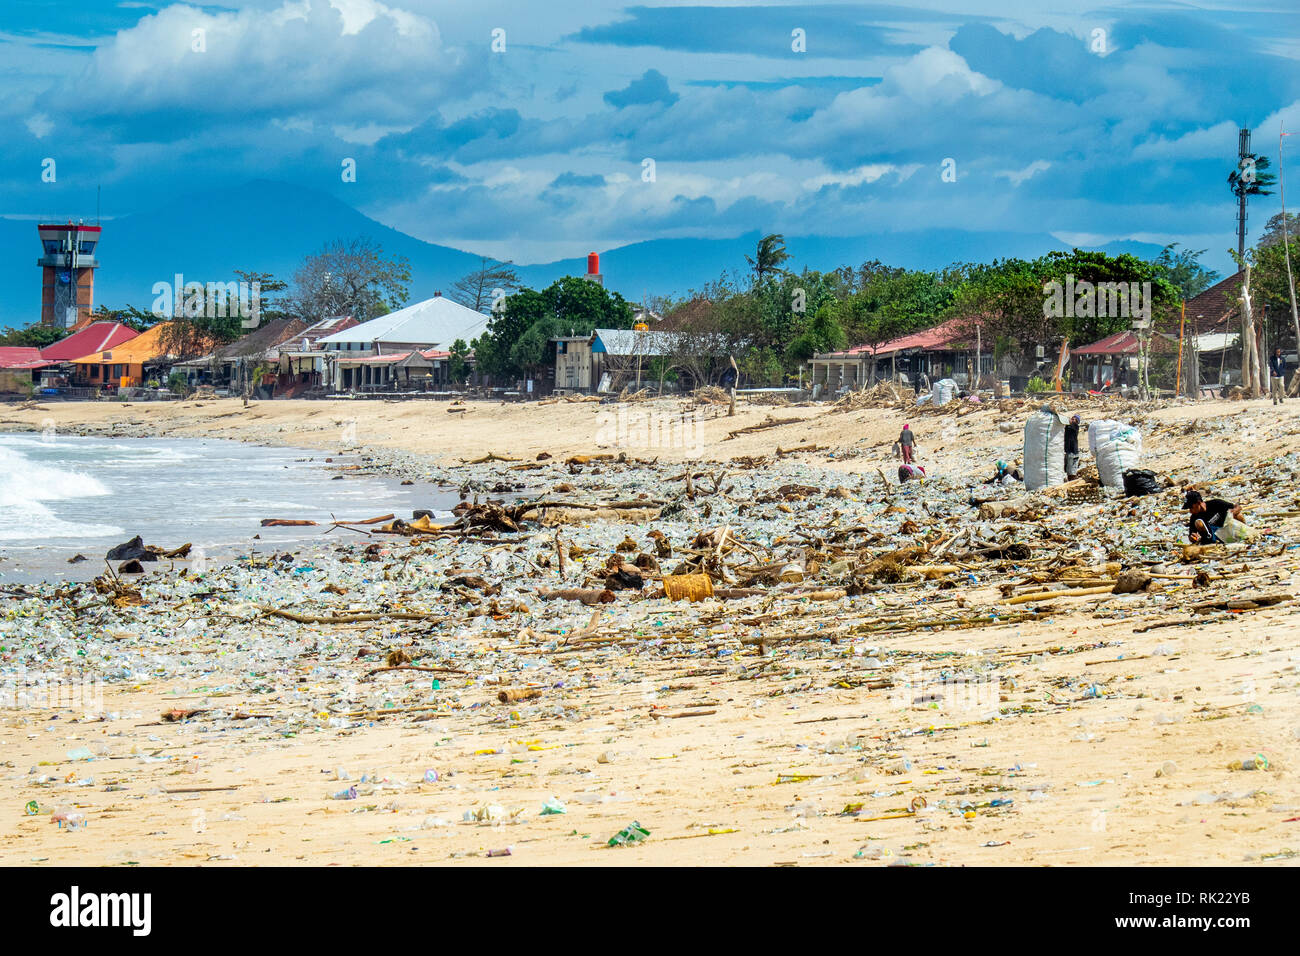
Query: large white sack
x: 1044, y: 452
x: 1119, y: 453
x: 943, y: 391
x: 1099, y: 432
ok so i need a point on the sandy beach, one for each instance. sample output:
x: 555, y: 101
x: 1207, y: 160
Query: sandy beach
x: 846, y: 713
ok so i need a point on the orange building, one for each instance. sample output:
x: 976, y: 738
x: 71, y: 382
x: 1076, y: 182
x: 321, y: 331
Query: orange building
x: 124, y: 366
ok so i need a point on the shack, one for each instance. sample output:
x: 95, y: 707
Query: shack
x: 947, y: 350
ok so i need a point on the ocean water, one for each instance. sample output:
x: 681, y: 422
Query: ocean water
x: 61, y: 496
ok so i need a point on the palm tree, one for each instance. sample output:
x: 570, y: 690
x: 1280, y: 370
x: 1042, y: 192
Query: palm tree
x: 767, y: 258
x: 1248, y: 179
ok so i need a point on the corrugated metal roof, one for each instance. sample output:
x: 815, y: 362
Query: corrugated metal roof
x: 632, y: 342
x: 933, y: 338
x: 145, y: 347
x: 21, y: 357
x: 1125, y: 343
x: 437, y: 321
x: 391, y: 358
x: 263, y: 339
x: 95, y: 337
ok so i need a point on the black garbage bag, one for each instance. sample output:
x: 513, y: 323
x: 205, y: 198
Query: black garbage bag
x: 624, y: 578
x: 1139, y: 482
x: 133, y: 550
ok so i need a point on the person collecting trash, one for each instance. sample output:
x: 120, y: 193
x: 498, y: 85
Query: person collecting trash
x: 906, y: 441
x: 1207, y: 517
x: 1003, y: 471
x: 1072, y: 449
x: 910, y: 472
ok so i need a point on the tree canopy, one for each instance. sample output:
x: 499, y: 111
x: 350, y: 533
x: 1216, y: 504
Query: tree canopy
x: 515, y: 342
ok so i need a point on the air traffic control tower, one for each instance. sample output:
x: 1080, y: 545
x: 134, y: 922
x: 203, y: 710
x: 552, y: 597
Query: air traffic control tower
x: 68, y: 273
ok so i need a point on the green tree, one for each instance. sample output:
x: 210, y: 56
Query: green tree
x: 267, y: 309
x: 768, y: 258
x: 823, y: 333
x: 33, y: 336
x: 457, y: 364
x: 516, y: 339
x: 1183, y: 270
x: 129, y: 316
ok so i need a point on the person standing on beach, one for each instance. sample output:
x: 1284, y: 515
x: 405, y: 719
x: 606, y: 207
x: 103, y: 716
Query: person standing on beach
x: 905, y: 442
x: 1277, y: 377
x: 1072, y: 449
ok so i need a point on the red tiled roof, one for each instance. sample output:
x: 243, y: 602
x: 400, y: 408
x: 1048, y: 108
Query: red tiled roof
x: 1212, y: 309
x: 96, y: 337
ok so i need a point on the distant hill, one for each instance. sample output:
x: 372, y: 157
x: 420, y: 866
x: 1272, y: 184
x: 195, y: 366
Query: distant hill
x: 209, y: 235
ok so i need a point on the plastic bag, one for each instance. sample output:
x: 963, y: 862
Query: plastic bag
x: 1234, y: 531
x: 1139, y: 482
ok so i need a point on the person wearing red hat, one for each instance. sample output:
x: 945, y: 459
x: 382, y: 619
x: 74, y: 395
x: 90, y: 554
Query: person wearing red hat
x: 905, y: 442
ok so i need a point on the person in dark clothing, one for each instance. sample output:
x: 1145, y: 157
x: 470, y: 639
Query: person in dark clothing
x: 1277, y: 377
x: 1207, y: 517
x: 1072, y: 448
x: 905, y: 442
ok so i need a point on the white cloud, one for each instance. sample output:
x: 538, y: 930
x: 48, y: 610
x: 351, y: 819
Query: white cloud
x: 936, y: 73
x: 1018, y: 176
x: 39, y: 125
x: 1206, y: 143
x: 350, y: 63
x: 853, y: 177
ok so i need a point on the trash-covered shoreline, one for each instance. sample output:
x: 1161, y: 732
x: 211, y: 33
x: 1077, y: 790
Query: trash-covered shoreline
x: 540, y: 622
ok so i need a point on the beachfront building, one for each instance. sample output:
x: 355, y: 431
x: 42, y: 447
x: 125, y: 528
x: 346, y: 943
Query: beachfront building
x: 412, y: 371
x: 947, y: 350
x: 251, y: 361
x: 18, y: 366
x: 1117, y: 359
x: 303, y: 363
x: 1212, y: 336
x: 147, y: 357
x: 99, y: 336
x: 1208, y: 333
x: 607, y: 360
x: 433, y: 325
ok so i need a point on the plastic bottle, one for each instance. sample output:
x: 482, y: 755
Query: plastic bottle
x: 632, y: 833
x: 73, y: 818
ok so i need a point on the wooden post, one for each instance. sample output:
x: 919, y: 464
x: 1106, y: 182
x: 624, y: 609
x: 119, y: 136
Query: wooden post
x: 1182, y: 328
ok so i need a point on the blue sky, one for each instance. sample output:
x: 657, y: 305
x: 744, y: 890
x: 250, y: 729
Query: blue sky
x: 1089, y: 122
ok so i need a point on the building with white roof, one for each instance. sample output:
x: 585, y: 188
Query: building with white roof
x: 433, y: 323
